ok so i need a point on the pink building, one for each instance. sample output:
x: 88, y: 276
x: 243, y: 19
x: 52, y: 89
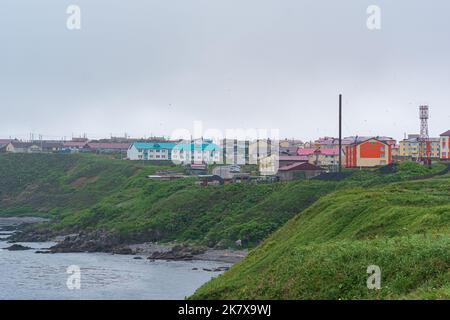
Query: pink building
x: 445, y: 145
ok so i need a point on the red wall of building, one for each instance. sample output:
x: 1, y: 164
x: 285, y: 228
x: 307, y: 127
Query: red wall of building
x: 372, y: 149
x: 445, y: 145
x: 367, y: 150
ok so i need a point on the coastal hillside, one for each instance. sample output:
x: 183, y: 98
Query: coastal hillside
x: 91, y: 193
x: 324, y: 252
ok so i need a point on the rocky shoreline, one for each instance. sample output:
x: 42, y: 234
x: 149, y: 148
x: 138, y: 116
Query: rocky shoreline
x: 114, y: 243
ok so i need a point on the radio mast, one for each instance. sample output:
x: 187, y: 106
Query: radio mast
x: 424, y: 138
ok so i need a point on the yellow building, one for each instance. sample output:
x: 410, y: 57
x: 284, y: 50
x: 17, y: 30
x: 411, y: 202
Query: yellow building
x: 410, y: 147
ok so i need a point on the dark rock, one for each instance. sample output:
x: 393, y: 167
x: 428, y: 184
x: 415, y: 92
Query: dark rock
x: 179, y: 252
x: 97, y: 241
x: 137, y: 258
x: 123, y: 250
x: 205, y: 269
x: 194, y: 268
x: 30, y: 236
x: 10, y: 228
x: 17, y: 247
x: 43, y: 251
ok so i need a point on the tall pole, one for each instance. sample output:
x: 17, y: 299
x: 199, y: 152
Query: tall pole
x: 340, y: 132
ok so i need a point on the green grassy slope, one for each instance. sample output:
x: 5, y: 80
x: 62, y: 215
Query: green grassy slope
x: 324, y: 252
x: 88, y: 192
x: 46, y: 184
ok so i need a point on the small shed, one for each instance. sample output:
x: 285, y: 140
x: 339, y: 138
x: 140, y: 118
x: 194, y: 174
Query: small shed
x: 210, y: 179
x: 197, y: 169
x: 297, y: 171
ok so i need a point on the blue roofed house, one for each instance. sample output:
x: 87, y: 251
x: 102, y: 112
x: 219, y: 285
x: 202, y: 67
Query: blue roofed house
x: 183, y: 153
x: 151, y: 151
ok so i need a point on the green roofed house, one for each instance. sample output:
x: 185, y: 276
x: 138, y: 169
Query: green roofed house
x: 150, y: 151
x: 179, y: 152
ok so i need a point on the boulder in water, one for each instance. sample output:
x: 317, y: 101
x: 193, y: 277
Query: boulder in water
x: 17, y: 247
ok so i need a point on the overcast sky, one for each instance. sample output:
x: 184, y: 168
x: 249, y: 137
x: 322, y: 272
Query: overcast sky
x: 152, y: 66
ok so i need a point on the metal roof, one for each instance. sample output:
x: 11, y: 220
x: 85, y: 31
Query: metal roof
x: 177, y: 146
x: 154, y: 145
x: 300, y: 166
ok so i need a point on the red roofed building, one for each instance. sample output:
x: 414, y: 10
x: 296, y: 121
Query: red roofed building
x: 287, y: 160
x: 445, y: 145
x: 327, y: 157
x: 107, y: 147
x: 368, y: 153
x: 74, y: 145
x: 5, y: 141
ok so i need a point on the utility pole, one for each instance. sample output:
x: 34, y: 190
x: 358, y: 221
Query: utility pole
x: 340, y: 132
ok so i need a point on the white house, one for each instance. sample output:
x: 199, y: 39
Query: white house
x: 197, y: 153
x: 178, y: 152
x: 151, y: 151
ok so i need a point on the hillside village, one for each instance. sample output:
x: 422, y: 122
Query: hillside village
x: 288, y: 159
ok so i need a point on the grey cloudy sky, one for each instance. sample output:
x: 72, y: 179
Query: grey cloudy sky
x: 152, y: 66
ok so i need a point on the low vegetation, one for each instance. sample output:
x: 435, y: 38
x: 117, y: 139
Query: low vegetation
x: 92, y: 192
x: 89, y: 192
x: 320, y: 235
x: 324, y: 252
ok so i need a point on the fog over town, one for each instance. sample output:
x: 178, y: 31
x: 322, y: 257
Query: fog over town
x: 156, y: 66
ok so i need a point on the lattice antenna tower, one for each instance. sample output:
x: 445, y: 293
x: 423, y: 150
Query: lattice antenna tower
x: 424, y: 138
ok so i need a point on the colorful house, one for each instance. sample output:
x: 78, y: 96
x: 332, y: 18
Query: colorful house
x: 182, y: 153
x: 289, y: 147
x: 410, y: 147
x: 445, y: 145
x: 325, y: 157
x: 369, y: 153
